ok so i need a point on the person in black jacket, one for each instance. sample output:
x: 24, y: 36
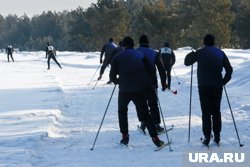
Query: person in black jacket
x: 211, y: 62
x: 107, y: 49
x: 168, y: 58
x: 9, y: 51
x: 51, y: 54
x: 133, y: 69
x: 155, y: 61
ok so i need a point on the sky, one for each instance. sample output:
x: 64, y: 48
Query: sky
x: 33, y: 7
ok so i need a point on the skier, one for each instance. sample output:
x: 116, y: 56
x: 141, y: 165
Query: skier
x: 211, y: 62
x: 132, y: 67
x: 51, y: 54
x: 168, y: 58
x: 107, y: 49
x: 155, y: 61
x: 9, y: 51
x: 114, y: 52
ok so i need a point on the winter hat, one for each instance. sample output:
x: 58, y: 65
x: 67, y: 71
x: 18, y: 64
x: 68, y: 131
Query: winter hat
x: 128, y: 41
x: 166, y: 44
x: 111, y: 39
x: 209, y: 40
x: 143, y: 39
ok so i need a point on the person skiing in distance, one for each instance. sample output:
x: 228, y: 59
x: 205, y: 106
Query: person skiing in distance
x: 107, y: 49
x: 168, y: 58
x: 9, y: 50
x: 115, y: 51
x: 211, y: 62
x: 132, y: 68
x: 51, y: 54
x: 155, y: 61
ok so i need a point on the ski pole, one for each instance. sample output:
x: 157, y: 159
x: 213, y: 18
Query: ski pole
x: 190, y: 103
x: 170, y: 149
x: 95, y: 84
x: 103, y: 118
x: 94, y: 74
x: 176, y: 77
x: 241, y: 145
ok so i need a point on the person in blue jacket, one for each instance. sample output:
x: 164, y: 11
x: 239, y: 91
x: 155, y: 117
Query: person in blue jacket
x: 211, y: 61
x: 155, y: 61
x: 133, y: 70
x: 107, y: 50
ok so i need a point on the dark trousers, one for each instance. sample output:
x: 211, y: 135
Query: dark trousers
x: 10, y: 54
x: 168, y: 70
x: 54, y: 58
x: 153, y: 105
x: 139, y: 99
x: 210, y: 99
x: 104, y: 66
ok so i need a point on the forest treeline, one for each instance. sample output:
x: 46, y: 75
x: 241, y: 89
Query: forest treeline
x: 180, y: 22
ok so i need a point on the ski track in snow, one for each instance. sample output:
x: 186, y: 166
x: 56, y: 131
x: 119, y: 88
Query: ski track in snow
x: 51, y: 117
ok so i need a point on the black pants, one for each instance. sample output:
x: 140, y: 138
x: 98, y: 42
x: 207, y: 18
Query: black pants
x: 54, y: 58
x: 10, y: 54
x: 210, y: 99
x: 153, y: 105
x: 168, y: 70
x: 104, y: 66
x: 139, y: 99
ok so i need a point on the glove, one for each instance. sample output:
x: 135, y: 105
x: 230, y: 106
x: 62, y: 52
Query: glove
x: 164, y: 86
x: 225, y: 80
x: 100, y: 61
x: 116, y: 82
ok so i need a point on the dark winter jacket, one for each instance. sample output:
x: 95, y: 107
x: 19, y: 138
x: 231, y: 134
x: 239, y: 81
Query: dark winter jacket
x: 50, y: 50
x: 155, y: 61
x: 107, y: 49
x: 168, y: 57
x: 115, y: 51
x: 211, y: 62
x: 9, y: 49
x: 133, y: 70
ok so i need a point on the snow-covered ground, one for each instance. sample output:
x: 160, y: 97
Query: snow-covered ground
x: 50, y: 118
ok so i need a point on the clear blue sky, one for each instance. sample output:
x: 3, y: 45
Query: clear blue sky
x: 32, y: 7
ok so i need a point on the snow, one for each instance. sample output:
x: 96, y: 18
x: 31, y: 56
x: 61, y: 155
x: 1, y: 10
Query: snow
x: 51, y: 117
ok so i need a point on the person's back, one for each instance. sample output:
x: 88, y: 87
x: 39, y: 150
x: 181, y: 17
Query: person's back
x: 167, y: 55
x: 50, y: 54
x: 132, y: 68
x: 9, y: 49
x: 131, y: 71
x: 210, y: 66
x: 109, y: 48
x: 211, y: 62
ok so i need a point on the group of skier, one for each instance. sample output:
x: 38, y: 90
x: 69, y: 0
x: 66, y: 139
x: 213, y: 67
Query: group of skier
x: 49, y: 50
x: 135, y: 69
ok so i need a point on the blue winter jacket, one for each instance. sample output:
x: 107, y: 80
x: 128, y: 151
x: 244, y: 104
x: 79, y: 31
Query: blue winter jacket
x: 155, y: 61
x: 211, y: 62
x: 133, y: 70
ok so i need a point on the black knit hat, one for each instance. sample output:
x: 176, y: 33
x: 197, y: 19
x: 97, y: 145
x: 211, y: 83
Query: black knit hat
x: 128, y: 42
x: 209, y: 40
x: 166, y: 44
x: 143, y: 39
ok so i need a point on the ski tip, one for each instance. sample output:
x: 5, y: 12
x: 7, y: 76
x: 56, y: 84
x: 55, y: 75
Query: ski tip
x: 175, y: 92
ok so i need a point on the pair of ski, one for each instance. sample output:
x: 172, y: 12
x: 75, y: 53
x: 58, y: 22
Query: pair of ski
x: 155, y: 149
x: 208, y: 146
